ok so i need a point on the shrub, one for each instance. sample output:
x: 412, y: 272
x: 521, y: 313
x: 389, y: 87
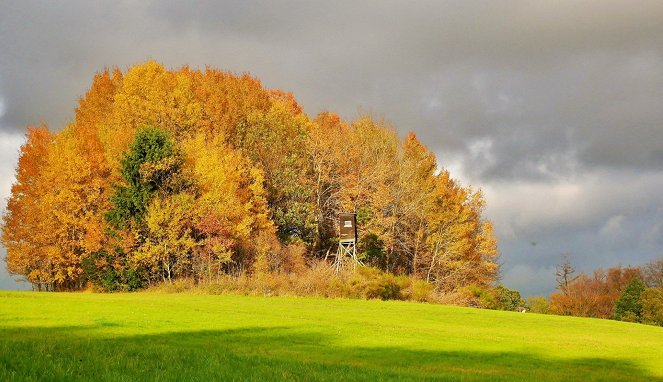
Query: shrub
x: 419, y: 290
x: 372, y: 283
x: 292, y: 259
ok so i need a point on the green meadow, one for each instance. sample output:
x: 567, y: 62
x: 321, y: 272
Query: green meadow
x: 187, y: 337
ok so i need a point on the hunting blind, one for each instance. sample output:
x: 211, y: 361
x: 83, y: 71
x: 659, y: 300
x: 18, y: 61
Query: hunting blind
x: 347, y: 243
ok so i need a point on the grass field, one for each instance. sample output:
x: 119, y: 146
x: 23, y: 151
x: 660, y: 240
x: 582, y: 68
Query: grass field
x: 150, y: 336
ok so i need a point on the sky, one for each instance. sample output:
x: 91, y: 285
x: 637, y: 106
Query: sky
x: 553, y: 109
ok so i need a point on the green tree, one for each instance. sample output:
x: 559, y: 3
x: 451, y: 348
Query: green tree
x: 629, y: 306
x: 148, y: 166
x: 508, y: 299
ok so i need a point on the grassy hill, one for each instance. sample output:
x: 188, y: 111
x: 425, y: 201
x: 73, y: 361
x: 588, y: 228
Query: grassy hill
x: 149, y: 336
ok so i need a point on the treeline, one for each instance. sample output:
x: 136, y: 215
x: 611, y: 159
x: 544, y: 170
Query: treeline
x: 633, y: 294
x: 197, y: 175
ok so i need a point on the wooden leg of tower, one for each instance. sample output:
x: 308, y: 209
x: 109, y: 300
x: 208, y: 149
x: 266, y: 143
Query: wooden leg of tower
x: 346, y: 250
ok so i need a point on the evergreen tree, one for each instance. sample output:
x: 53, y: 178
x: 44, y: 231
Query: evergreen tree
x: 629, y: 306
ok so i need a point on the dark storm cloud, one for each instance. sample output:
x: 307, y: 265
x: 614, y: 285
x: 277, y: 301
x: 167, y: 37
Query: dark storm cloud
x: 539, y: 96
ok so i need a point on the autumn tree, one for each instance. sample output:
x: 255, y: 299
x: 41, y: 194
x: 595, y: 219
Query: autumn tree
x: 326, y: 136
x: 169, y: 241
x: 22, y: 219
x: 461, y: 246
x: 410, y: 195
x: 276, y: 141
x: 198, y: 173
x: 231, y: 207
x: 595, y: 295
x: 652, y: 306
x: 652, y: 273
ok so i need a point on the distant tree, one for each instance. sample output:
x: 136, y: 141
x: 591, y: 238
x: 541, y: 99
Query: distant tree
x: 629, y: 307
x: 564, y: 275
x: 652, y: 273
x: 538, y: 304
x: 652, y: 306
x: 595, y: 295
x: 508, y: 299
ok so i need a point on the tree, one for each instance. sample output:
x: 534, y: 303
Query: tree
x: 149, y: 165
x: 276, y: 142
x: 231, y: 206
x: 564, y: 275
x: 461, y: 247
x: 538, y: 304
x: 169, y: 238
x: 595, y: 295
x: 508, y: 299
x: 326, y: 136
x: 101, y: 201
x: 652, y: 306
x: 21, y: 227
x: 652, y: 273
x: 71, y: 208
x: 629, y: 307
x: 369, y: 166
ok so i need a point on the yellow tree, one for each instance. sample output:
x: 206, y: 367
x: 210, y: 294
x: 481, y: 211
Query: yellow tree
x: 151, y: 96
x: 22, y: 219
x: 231, y: 207
x: 461, y: 247
x: 276, y: 142
x: 327, y: 148
x: 369, y: 169
x: 411, y: 201
x: 226, y: 101
x: 71, y: 209
x: 169, y: 242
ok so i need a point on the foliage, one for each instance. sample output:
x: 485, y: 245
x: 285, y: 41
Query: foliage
x: 508, y: 299
x: 652, y: 306
x: 498, y: 298
x: 595, y: 295
x: 629, y: 307
x: 538, y: 304
x: 148, y: 165
x: 172, y: 174
x: 652, y: 273
x: 21, y: 229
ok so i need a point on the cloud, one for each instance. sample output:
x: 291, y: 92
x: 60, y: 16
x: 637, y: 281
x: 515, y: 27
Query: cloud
x: 553, y: 109
x: 9, y: 150
x: 533, y: 280
x: 613, y: 227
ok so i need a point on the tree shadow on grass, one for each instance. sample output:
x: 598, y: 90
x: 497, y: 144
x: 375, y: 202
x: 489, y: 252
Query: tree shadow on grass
x: 268, y: 354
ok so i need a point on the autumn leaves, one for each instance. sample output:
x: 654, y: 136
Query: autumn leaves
x: 191, y: 174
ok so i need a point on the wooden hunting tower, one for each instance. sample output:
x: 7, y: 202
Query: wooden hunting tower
x: 347, y: 243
